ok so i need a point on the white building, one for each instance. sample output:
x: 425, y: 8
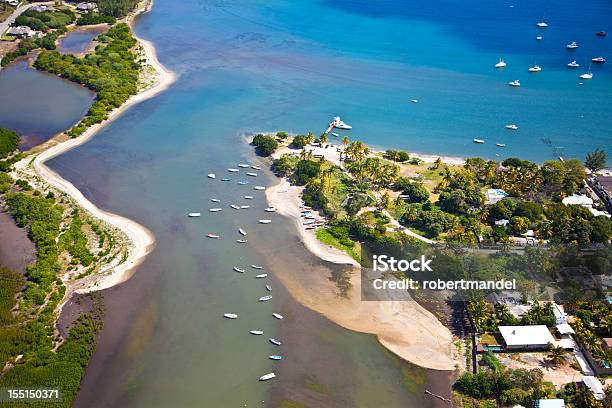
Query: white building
x: 21, y: 32
x: 527, y: 337
x: 495, y: 195
x: 595, y: 386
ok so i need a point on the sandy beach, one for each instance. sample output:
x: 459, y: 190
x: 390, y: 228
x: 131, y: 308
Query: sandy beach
x: 142, y: 241
x: 403, y: 327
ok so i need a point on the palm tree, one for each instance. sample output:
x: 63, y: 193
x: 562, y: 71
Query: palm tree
x: 556, y: 356
x: 310, y: 137
x: 324, y: 138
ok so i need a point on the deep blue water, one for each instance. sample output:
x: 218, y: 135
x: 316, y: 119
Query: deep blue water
x: 299, y: 63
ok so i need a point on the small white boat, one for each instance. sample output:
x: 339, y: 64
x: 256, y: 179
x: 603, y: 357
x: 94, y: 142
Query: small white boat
x: 248, y: 197
x: 244, y: 166
x: 268, y: 288
x: 215, y: 200
x: 243, y: 183
x: 539, y: 38
x: 241, y: 231
x: 251, y: 174
x: 261, y: 276
x: 588, y: 75
x: 265, y: 221
x: 278, y: 316
x: 542, y: 24
x: 211, y: 175
x: 572, y: 46
x: 501, y: 64
x: 265, y: 298
x: 516, y: 82
x: 267, y: 377
x: 275, y: 357
x: 335, y: 134
x: 213, y: 236
x: 233, y: 170
x: 256, y: 267
x: 270, y: 209
x: 414, y: 100
x: 338, y: 123
x: 598, y: 60
x: 256, y: 167
x: 259, y: 188
x: 194, y: 214
x: 241, y: 241
x: 235, y: 207
x: 535, y: 68
x: 274, y: 341
x: 215, y: 209
x: 239, y: 270
x: 256, y: 332
x: 479, y: 141
x: 573, y: 64
x: 500, y: 145
x: 512, y: 127
x: 225, y: 179
x: 230, y: 315
x: 244, y: 207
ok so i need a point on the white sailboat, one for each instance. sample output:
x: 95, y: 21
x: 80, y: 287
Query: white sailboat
x: 501, y: 64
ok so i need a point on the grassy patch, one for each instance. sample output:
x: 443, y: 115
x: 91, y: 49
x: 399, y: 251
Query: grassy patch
x: 325, y: 237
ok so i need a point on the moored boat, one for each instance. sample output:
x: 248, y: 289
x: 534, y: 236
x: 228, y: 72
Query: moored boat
x: 600, y: 33
x: 242, y: 231
x: 261, y: 276
x: 256, y: 332
x: 215, y: 200
x: 256, y: 167
x: 573, y: 64
x: 265, y: 221
x: 479, y: 141
x: 265, y: 298
x: 230, y: 315
x: 516, y: 82
x: 274, y: 341
x: 235, y: 207
x: 259, y: 188
x: 535, y: 68
x: 572, y: 46
x: 248, y: 197
x: 237, y: 269
x: 268, y: 288
x: 213, y: 236
x: 267, y: 377
x: 542, y: 24
x: 501, y: 64
x: 338, y: 123
x: 215, y: 209
x: 598, y: 60
x: 500, y: 145
x: 278, y: 316
x: 251, y: 174
x: 270, y: 209
x: 241, y: 241
x: 275, y: 357
x: 233, y: 170
x: 243, y: 183
x: 194, y: 214
x: 211, y: 175
x: 244, y: 207
x: 512, y: 127
x: 244, y: 165
x: 587, y: 75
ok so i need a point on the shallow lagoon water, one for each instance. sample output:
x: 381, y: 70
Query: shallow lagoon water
x: 38, y: 105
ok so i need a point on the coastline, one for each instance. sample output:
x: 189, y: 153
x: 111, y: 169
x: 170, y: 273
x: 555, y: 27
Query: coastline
x: 141, y: 240
x: 405, y: 328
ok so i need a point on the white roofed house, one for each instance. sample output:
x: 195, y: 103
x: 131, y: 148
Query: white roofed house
x: 86, y: 7
x: 536, y: 337
x: 21, y: 32
x: 596, y: 387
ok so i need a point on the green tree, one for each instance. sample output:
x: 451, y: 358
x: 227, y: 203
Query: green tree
x: 557, y: 356
x: 595, y: 160
x: 9, y: 141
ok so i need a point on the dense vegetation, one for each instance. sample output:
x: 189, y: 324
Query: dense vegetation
x: 9, y: 141
x: 74, y: 241
x: 116, y: 8
x: 26, y: 45
x: 45, y: 20
x: 111, y: 71
x: 265, y: 144
x: 95, y: 18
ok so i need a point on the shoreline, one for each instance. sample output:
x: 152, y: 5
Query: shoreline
x: 141, y: 240
x: 405, y: 328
